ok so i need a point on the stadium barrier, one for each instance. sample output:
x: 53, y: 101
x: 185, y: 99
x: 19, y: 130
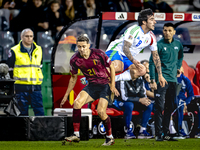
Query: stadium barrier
x: 69, y: 112
x: 41, y: 128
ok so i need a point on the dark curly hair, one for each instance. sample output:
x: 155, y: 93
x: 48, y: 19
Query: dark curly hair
x: 144, y: 15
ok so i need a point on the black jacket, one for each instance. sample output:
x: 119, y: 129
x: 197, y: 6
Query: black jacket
x: 131, y: 90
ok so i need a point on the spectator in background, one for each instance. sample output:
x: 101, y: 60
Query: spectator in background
x: 70, y: 11
x: 31, y: 16
x: 9, y: 10
x: 91, y: 8
x: 4, y: 26
x: 55, y: 17
x: 184, y: 97
x: 117, y: 5
x: 123, y: 6
x: 136, y: 5
x: 158, y: 6
x: 20, y: 4
x: 109, y: 5
x: 69, y: 37
x: 24, y: 61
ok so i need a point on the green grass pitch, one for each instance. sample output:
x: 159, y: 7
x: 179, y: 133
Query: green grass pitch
x: 94, y: 144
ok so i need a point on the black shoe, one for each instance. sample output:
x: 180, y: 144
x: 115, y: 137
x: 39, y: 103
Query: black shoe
x: 169, y: 138
x: 159, y: 138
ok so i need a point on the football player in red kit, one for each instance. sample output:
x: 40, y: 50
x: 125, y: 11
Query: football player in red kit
x: 93, y: 63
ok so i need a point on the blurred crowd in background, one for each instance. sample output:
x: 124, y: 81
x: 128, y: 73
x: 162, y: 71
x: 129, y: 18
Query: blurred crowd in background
x: 53, y: 15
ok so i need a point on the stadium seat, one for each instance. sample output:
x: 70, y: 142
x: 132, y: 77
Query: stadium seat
x: 6, y: 42
x: 45, y: 40
x: 109, y: 111
x: 135, y: 113
x: 198, y: 74
x: 152, y: 113
x: 190, y: 73
x: 116, y: 112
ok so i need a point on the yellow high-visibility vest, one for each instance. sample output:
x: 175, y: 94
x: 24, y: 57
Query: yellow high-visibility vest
x: 27, y: 71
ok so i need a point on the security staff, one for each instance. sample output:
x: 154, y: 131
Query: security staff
x: 24, y: 61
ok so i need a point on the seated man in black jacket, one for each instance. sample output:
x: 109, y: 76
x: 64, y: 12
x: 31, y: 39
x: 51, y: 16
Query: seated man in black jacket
x: 133, y: 94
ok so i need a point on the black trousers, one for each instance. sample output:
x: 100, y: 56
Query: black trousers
x: 164, y: 100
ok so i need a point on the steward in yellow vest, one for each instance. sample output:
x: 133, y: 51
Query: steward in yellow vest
x: 26, y: 69
x: 25, y: 61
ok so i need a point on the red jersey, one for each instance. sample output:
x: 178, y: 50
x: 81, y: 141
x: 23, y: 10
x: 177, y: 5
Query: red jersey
x: 94, y: 68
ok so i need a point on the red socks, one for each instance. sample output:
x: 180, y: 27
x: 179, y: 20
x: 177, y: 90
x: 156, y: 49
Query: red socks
x: 107, y: 125
x: 76, y: 119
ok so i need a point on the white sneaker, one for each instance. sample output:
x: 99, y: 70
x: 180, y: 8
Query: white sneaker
x: 108, y: 142
x: 72, y: 138
x: 144, y: 135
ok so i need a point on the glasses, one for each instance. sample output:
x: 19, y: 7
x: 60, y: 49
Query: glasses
x: 27, y: 36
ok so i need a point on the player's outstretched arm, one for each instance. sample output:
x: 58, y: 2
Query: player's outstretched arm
x: 71, y: 85
x: 112, y: 82
x: 126, y: 50
x: 157, y: 63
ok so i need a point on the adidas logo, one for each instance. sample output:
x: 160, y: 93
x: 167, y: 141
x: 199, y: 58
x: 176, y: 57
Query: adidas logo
x: 120, y: 16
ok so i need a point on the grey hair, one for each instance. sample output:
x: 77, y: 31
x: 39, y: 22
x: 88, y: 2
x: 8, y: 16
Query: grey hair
x: 26, y: 30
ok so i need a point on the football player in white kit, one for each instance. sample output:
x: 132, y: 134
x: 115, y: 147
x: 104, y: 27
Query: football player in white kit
x: 123, y: 50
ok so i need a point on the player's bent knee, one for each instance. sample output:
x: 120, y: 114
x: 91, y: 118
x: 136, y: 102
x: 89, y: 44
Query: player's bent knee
x: 118, y: 70
x: 77, y: 105
x: 102, y: 114
x: 118, y: 66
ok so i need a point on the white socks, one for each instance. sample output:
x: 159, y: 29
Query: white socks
x: 109, y: 136
x: 142, y: 129
x: 77, y: 133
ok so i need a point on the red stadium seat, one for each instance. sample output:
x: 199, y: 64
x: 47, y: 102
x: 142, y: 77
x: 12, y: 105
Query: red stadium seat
x: 93, y: 105
x: 190, y: 73
x: 196, y: 89
x: 109, y: 111
x: 117, y: 112
x: 94, y: 112
x: 198, y: 74
x: 135, y: 113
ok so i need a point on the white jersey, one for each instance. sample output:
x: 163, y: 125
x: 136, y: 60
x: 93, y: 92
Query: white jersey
x: 139, y: 40
x: 125, y: 76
